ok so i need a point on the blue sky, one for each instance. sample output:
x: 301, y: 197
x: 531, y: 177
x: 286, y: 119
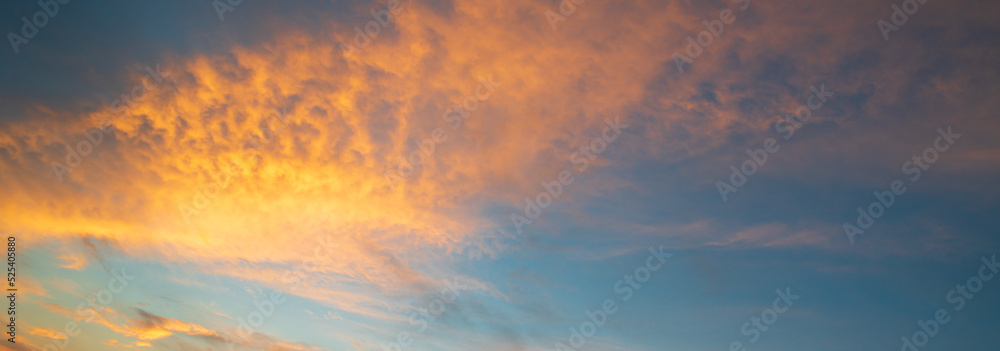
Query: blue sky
x: 272, y: 191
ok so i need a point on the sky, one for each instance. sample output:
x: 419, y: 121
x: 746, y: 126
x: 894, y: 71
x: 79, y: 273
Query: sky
x: 500, y: 175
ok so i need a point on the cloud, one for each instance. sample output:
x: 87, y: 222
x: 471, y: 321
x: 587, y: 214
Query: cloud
x: 73, y: 260
x: 48, y: 333
x: 30, y: 286
x: 146, y: 329
x: 137, y: 344
x: 21, y: 345
x: 170, y: 181
x: 349, y: 120
x: 143, y: 326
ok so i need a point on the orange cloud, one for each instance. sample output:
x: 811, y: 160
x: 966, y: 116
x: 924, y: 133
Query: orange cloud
x: 48, y: 333
x: 145, y: 326
x: 73, y: 260
x: 330, y: 127
x: 31, y: 287
x: 348, y: 121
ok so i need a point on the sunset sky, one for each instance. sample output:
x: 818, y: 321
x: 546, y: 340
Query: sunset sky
x: 674, y: 175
